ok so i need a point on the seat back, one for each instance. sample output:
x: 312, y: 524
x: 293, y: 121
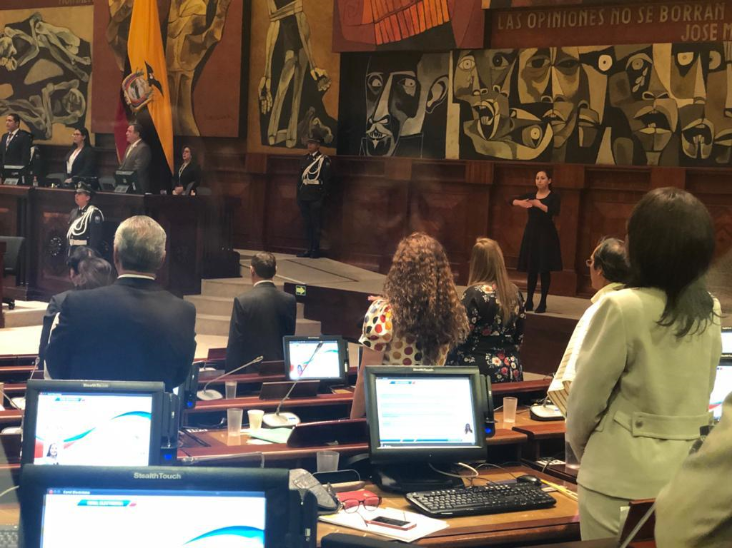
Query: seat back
x: 12, y: 252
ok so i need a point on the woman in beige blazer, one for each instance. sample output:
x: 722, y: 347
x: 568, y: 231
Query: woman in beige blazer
x: 646, y: 367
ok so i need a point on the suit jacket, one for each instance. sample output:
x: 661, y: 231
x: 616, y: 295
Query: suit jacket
x: 138, y: 160
x: 18, y: 152
x: 261, y: 317
x: 695, y: 509
x: 84, y: 163
x: 640, y: 394
x: 131, y: 330
x: 53, y: 308
x: 191, y: 175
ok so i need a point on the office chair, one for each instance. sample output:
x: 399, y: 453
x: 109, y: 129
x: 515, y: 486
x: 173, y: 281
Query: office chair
x: 12, y: 253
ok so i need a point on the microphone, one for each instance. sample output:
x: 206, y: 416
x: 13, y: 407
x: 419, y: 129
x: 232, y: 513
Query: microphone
x: 279, y: 420
x: 208, y: 395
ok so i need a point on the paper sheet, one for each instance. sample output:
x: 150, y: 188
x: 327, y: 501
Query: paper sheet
x: 425, y: 525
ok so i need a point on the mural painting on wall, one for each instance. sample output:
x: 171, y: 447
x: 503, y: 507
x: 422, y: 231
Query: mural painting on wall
x: 503, y: 4
x: 202, y: 38
x: 291, y: 90
x: 416, y: 25
x: 661, y: 104
x: 398, y: 105
x: 45, y: 68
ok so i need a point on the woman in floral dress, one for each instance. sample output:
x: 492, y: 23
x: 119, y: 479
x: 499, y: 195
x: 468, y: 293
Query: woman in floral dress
x: 496, y: 313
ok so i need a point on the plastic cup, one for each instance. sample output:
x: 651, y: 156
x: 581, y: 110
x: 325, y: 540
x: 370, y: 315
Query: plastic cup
x: 509, y: 410
x: 230, y: 390
x: 570, y: 459
x: 255, y: 418
x: 233, y: 421
x: 327, y: 461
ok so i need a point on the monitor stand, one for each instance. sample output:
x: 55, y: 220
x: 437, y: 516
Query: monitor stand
x: 411, y: 477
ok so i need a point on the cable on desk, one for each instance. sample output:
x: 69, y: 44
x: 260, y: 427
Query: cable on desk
x: 459, y: 476
x: 9, y: 490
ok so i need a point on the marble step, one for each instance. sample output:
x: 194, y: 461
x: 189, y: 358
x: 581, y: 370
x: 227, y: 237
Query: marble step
x: 210, y: 324
x: 26, y: 313
x: 229, y: 287
x: 221, y: 306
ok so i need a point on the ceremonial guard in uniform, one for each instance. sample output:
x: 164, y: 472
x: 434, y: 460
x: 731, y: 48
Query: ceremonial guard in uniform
x: 312, y: 188
x: 85, y: 221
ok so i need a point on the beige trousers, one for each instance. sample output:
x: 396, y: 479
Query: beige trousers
x: 599, y: 514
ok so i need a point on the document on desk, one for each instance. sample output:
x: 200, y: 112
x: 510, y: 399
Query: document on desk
x: 424, y: 525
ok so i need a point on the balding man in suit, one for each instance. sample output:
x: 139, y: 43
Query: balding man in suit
x: 137, y: 157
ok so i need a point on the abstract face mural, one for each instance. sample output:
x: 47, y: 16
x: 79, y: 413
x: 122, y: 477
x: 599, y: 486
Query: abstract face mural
x: 495, y: 127
x: 640, y: 89
x: 401, y: 91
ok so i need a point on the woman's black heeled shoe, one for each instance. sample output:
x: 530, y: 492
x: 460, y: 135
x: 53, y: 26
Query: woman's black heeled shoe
x: 529, y: 306
x: 541, y: 308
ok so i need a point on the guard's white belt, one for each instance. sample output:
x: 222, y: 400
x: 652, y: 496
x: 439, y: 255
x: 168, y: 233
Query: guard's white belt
x: 78, y: 242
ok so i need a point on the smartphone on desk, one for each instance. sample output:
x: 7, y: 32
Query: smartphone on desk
x: 392, y: 523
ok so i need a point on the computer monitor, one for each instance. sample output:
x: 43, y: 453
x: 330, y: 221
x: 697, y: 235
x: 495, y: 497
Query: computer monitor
x: 163, y: 506
x: 93, y: 423
x: 419, y: 416
x: 722, y: 388
x: 13, y: 174
x: 126, y: 182
x: 727, y: 344
x: 320, y: 358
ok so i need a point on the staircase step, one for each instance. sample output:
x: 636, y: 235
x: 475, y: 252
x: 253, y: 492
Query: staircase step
x: 230, y: 287
x: 212, y: 324
x: 216, y: 306
x: 26, y: 313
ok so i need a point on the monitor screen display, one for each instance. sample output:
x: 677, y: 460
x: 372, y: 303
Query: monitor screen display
x: 130, y: 517
x: 726, y: 341
x: 93, y: 429
x: 314, y: 358
x: 426, y: 412
x: 722, y: 388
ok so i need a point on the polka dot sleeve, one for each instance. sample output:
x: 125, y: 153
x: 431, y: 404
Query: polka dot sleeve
x: 377, y: 327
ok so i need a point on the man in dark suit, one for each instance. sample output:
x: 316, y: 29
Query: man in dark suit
x: 137, y: 157
x: 131, y: 330
x: 261, y: 317
x: 16, y: 144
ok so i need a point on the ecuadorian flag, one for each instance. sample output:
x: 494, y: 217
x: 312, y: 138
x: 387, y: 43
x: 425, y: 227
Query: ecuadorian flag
x: 145, y: 88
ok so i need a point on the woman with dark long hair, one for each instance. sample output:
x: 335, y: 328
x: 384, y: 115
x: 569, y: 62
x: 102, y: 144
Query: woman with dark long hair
x: 420, y: 316
x: 80, y: 161
x: 495, y: 310
x: 540, y: 254
x: 646, y: 366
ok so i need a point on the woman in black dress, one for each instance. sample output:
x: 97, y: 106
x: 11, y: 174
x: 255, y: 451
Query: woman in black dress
x: 188, y: 178
x: 80, y: 159
x: 495, y: 309
x: 540, y: 254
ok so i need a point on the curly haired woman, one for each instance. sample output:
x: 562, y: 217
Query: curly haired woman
x: 420, y: 316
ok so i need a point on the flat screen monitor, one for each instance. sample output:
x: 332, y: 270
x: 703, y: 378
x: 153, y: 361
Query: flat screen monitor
x: 162, y: 506
x: 320, y: 358
x: 727, y: 343
x: 93, y: 423
x: 13, y: 174
x: 722, y: 388
x: 425, y: 414
x: 126, y: 182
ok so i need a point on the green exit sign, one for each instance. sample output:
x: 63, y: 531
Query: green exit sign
x: 301, y: 290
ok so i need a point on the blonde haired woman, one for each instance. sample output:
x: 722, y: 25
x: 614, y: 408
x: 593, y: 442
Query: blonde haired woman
x: 496, y: 313
x: 418, y: 319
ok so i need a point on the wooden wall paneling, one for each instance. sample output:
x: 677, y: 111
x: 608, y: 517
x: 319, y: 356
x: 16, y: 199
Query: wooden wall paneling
x: 444, y: 205
x: 568, y: 181
x: 668, y: 176
x: 284, y: 229
x: 713, y: 188
x: 605, y: 206
x: 15, y: 203
x: 374, y: 205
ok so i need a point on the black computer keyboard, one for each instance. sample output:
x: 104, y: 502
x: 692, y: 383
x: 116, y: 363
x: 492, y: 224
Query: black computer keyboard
x: 489, y: 499
x: 8, y: 536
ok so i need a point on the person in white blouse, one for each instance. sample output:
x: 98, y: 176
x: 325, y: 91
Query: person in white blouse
x: 80, y: 159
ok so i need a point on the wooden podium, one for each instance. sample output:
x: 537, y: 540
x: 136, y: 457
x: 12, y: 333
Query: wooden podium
x: 198, y: 229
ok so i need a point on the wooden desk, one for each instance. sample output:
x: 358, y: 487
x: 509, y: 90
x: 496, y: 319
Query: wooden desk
x: 560, y: 523
x: 203, y: 446
x: 605, y: 543
x: 546, y: 438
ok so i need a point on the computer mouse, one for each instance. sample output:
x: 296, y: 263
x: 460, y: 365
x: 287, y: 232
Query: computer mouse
x: 526, y: 478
